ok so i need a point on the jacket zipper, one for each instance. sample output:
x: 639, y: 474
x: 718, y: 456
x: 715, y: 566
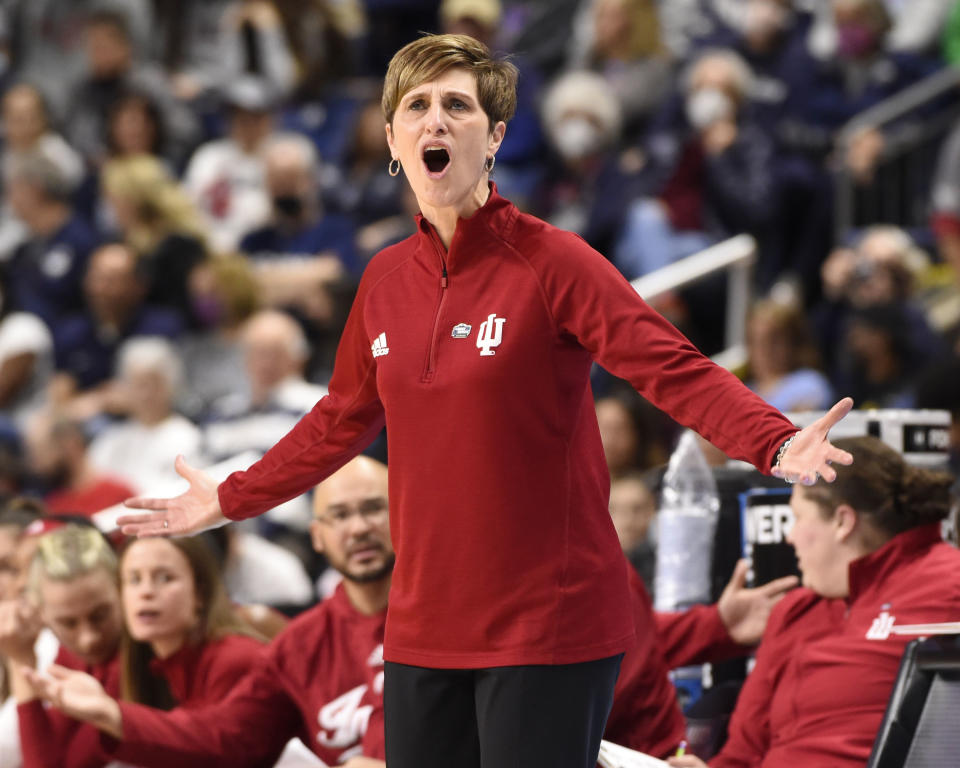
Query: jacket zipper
x: 431, y: 362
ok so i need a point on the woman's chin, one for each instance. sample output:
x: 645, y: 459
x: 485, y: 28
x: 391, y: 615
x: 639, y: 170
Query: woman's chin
x: 443, y: 193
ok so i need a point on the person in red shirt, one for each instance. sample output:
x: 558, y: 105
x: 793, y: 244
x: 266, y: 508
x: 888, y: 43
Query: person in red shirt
x: 872, y: 558
x: 182, y: 646
x: 57, y: 451
x: 71, y: 586
x: 472, y: 341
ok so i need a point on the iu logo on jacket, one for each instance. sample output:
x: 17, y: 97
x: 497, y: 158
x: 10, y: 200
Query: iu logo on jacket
x: 490, y: 334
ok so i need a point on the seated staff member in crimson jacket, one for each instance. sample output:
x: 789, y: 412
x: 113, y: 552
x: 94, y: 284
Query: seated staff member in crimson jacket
x: 181, y: 646
x: 472, y: 341
x: 320, y: 679
x: 872, y: 559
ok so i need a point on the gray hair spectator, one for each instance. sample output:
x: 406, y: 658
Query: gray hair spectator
x: 581, y: 115
x: 582, y: 120
x: 303, y: 249
x: 154, y: 354
x: 276, y: 396
x: 27, y: 125
x: 46, y: 269
x: 723, y: 69
x: 711, y: 169
x: 141, y: 449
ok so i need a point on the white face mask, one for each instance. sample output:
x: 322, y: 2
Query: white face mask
x: 708, y: 106
x: 576, y: 137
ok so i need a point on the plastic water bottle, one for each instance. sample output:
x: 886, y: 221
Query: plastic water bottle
x: 686, y: 525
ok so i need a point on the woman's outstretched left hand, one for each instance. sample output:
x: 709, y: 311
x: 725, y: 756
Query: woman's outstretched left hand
x: 811, y: 453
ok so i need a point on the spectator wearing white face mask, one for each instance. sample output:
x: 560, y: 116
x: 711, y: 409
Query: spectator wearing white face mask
x: 588, y: 173
x: 709, y: 173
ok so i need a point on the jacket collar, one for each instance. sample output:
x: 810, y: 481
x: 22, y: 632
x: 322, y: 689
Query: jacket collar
x: 875, y: 568
x: 179, y: 668
x: 340, y: 604
x: 492, y: 220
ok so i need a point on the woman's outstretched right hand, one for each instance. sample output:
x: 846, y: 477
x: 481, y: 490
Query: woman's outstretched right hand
x: 196, y: 509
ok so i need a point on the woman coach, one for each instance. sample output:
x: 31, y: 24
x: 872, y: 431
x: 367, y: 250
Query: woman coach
x: 472, y: 341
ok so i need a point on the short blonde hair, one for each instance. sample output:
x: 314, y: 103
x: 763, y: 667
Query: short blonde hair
x: 69, y: 552
x: 428, y: 57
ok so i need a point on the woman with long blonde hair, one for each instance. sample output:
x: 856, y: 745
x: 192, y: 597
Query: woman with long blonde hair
x: 156, y: 218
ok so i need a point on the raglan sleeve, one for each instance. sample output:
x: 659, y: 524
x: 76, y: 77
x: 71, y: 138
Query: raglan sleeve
x: 593, y: 303
x: 49, y: 739
x: 250, y: 728
x: 695, y: 636
x: 339, y: 427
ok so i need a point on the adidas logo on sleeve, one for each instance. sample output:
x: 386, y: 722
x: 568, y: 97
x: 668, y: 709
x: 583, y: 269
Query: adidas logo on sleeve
x: 379, y: 346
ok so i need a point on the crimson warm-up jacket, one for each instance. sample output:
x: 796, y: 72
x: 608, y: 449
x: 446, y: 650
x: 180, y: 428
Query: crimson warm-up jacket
x: 477, y: 359
x: 50, y: 739
x: 825, y: 668
x: 319, y: 679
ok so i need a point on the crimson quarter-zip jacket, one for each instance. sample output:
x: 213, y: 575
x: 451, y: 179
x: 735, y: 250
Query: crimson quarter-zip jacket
x: 477, y: 358
x: 825, y: 668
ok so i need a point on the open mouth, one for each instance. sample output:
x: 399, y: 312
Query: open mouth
x: 436, y: 159
x: 147, y: 615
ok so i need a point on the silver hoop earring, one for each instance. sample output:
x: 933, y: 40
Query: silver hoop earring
x: 491, y: 161
x: 394, y: 167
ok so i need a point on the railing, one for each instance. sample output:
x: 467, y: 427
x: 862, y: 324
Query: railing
x: 736, y: 256
x: 900, y: 191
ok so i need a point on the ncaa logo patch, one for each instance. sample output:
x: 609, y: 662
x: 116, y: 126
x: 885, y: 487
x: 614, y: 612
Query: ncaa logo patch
x: 461, y: 330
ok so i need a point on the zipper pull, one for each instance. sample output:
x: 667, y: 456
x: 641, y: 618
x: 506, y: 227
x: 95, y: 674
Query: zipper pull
x: 443, y: 277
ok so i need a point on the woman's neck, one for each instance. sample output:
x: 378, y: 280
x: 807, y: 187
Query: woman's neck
x: 444, y: 218
x: 165, y: 647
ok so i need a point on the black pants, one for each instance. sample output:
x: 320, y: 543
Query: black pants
x: 549, y: 716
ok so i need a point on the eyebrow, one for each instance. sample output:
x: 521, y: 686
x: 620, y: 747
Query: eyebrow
x: 95, y: 609
x: 421, y: 92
